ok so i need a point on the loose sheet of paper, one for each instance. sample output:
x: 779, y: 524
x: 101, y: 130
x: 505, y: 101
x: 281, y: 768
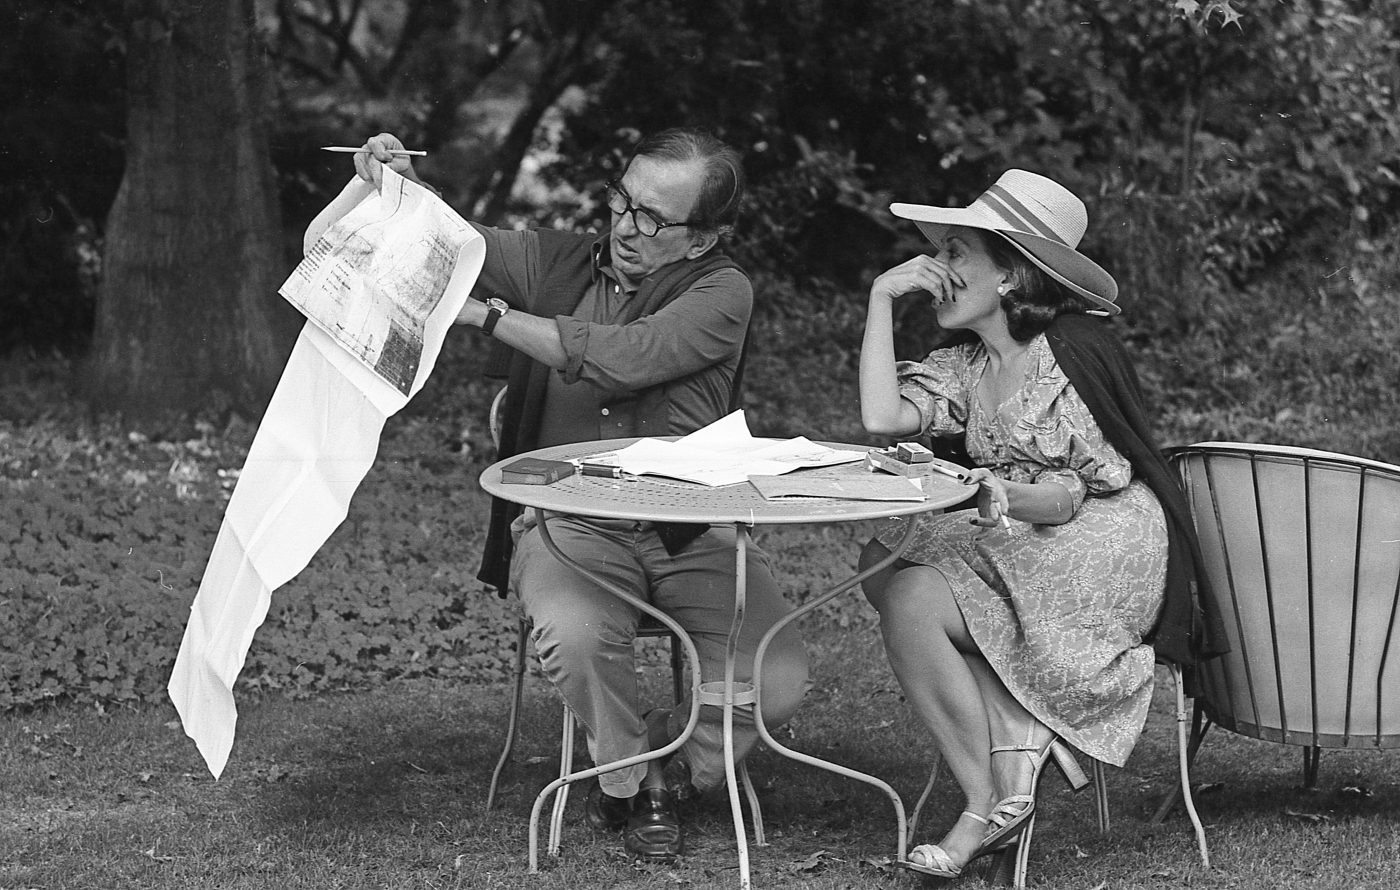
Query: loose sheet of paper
x: 312, y: 449
x: 866, y: 488
x: 724, y: 453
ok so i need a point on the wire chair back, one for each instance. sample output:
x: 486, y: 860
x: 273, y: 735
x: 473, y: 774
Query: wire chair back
x: 1302, y: 548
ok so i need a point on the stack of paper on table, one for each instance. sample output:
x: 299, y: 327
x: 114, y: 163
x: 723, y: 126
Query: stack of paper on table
x: 870, y: 487
x: 724, y: 453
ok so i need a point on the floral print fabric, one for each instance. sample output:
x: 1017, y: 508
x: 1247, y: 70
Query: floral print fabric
x: 1059, y: 611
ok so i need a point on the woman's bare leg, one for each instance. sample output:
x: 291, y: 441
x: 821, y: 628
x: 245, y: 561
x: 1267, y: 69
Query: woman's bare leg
x: 926, y: 640
x: 1009, y: 724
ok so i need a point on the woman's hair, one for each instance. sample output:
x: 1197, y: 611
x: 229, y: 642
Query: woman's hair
x: 722, y: 190
x: 1035, y: 299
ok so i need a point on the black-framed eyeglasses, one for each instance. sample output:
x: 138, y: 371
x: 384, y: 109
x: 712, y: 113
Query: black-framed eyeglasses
x: 620, y: 202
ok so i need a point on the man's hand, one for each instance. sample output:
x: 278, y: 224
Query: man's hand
x: 369, y: 165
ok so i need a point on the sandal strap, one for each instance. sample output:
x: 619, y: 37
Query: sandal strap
x: 936, y: 857
x: 1007, y: 809
x: 975, y: 817
x: 997, y: 749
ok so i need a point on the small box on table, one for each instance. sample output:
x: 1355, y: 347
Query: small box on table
x: 534, y: 471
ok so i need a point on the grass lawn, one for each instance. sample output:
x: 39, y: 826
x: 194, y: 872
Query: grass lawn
x: 385, y: 789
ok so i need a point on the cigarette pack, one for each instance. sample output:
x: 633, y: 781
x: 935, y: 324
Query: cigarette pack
x: 888, y: 460
x: 912, y: 453
x: 534, y: 471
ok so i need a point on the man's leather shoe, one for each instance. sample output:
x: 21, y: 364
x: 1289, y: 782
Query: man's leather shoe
x: 605, y: 812
x: 654, y: 829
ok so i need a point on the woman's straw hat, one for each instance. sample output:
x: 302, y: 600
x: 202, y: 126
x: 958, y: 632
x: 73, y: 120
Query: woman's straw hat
x: 1041, y: 218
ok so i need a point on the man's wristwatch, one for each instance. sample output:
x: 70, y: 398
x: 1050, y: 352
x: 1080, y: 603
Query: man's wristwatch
x: 494, y: 310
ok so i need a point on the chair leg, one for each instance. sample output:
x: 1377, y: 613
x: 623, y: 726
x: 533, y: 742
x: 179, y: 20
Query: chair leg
x: 513, y: 721
x: 760, y: 839
x: 934, y: 773
x: 1011, y: 864
x: 678, y: 688
x: 1183, y: 746
x: 1312, y: 759
x: 1101, y: 797
x: 561, y: 797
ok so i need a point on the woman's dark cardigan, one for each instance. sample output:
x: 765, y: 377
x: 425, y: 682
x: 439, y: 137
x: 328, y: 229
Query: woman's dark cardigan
x: 1189, y: 628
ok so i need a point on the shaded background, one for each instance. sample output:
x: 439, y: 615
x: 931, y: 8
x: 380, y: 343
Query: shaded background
x: 1239, y: 161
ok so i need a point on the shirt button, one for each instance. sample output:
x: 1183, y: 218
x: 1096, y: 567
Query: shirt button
x: 605, y: 412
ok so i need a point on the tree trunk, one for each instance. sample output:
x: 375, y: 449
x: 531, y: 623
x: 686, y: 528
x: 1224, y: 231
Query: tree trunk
x: 188, y: 314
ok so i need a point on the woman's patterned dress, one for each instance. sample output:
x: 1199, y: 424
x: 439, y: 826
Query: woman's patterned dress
x: 1059, y: 611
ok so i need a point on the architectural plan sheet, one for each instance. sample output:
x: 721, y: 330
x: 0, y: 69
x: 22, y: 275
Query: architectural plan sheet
x: 387, y: 273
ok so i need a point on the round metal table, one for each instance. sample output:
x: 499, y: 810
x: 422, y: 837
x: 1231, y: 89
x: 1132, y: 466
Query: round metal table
x: 658, y: 499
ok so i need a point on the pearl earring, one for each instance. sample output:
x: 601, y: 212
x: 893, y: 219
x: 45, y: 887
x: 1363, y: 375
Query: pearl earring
x: 1002, y: 289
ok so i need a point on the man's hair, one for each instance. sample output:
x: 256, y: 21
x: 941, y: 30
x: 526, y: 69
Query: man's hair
x: 722, y: 189
x: 1035, y: 299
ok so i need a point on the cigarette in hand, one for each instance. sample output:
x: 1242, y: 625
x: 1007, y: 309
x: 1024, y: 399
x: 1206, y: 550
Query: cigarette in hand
x: 987, y: 522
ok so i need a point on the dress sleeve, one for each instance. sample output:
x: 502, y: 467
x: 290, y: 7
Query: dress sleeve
x: 937, y: 387
x: 1074, y: 451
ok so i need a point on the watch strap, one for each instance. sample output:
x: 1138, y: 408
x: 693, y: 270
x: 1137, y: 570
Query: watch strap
x: 493, y: 315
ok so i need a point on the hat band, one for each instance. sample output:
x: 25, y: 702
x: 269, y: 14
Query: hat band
x: 1004, y: 204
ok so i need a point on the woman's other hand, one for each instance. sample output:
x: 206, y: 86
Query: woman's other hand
x: 369, y: 165
x: 922, y: 274
x: 992, y: 501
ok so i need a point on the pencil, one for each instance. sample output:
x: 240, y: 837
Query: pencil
x: 350, y: 149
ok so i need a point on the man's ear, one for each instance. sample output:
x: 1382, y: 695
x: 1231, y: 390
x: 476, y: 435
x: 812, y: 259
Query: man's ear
x: 700, y: 244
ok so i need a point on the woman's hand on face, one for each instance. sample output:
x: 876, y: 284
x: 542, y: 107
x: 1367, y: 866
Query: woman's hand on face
x: 921, y: 274
x: 992, y: 502
x: 369, y: 165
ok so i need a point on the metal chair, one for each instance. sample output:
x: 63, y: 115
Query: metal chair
x: 1303, y: 551
x: 647, y: 628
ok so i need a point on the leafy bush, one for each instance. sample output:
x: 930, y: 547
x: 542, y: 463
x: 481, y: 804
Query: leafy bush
x: 108, y: 535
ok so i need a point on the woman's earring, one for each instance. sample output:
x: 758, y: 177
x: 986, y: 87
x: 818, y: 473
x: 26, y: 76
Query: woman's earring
x: 1002, y: 289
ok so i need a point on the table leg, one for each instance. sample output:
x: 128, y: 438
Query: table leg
x: 777, y: 746
x: 729, y: 693
x: 692, y: 656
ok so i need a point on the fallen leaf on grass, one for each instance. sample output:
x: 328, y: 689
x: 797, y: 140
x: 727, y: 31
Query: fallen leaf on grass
x: 1207, y: 788
x: 1354, y: 791
x: 815, y: 862
x: 151, y: 854
x: 1311, y: 817
x: 880, y: 864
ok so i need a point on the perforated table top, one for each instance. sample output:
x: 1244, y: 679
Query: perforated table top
x: 657, y: 499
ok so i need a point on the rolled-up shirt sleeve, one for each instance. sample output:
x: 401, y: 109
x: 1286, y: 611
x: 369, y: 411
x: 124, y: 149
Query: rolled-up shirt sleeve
x: 704, y: 326
x: 511, y: 267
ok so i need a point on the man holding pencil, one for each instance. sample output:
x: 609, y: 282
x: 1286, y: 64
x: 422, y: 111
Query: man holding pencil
x: 639, y: 331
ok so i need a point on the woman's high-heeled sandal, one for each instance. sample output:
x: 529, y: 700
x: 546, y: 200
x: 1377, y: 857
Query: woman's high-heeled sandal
x: 1010, y: 814
x: 940, y: 863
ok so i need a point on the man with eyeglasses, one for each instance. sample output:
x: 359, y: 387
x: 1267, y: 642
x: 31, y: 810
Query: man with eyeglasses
x: 639, y: 331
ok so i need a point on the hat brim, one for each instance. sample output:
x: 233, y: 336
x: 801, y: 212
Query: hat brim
x: 1061, y: 262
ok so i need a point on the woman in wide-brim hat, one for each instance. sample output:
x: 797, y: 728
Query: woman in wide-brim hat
x: 1027, y: 625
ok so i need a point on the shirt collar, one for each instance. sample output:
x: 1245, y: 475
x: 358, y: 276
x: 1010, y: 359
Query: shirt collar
x: 602, y: 263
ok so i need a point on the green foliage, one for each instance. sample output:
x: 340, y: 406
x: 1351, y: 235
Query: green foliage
x: 108, y: 535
